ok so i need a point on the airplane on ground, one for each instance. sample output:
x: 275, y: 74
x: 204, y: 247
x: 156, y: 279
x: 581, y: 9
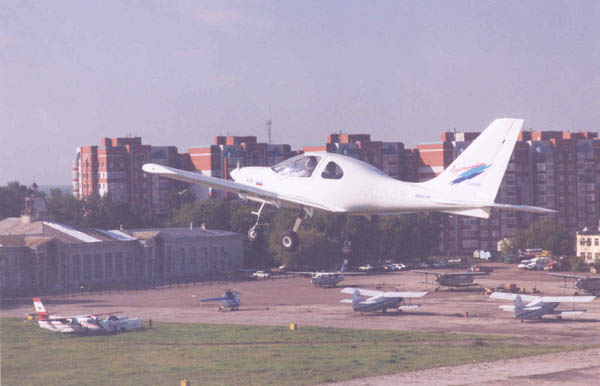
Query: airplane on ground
x: 539, y: 306
x: 322, y: 279
x: 379, y: 300
x: 230, y: 299
x: 83, y: 323
x: 339, y: 184
x: 589, y: 284
x: 452, y: 279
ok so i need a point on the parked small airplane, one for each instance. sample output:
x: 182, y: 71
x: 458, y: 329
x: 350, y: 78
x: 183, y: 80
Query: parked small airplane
x: 539, y: 305
x: 589, y: 284
x: 452, y: 279
x: 379, y: 300
x: 340, y: 184
x: 322, y: 279
x: 83, y: 323
x: 230, y: 299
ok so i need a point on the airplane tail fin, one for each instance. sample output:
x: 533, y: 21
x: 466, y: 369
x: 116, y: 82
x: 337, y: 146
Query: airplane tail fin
x: 478, y: 171
x: 40, y: 309
x: 356, y: 299
x: 518, y: 305
x: 344, y: 266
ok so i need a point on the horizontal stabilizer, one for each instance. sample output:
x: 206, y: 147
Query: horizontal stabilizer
x: 572, y: 312
x: 409, y: 307
x: 477, y: 212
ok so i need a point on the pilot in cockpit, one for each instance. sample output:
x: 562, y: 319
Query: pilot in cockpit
x: 309, y: 166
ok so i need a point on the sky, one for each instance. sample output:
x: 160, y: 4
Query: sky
x: 181, y: 72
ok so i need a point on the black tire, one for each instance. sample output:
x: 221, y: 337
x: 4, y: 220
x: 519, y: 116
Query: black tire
x: 252, y: 234
x: 289, y: 240
x: 112, y: 317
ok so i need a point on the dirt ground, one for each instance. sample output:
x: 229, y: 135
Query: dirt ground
x: 294, y: 300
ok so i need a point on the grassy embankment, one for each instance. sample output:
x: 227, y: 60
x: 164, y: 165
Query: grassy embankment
x: 229, y: 354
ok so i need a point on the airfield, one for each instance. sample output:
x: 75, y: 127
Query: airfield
x: 279, y: 302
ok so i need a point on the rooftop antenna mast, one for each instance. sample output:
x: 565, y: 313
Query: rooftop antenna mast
x: 269, y: 122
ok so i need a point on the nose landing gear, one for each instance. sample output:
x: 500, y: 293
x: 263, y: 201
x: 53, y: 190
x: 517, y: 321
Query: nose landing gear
x: 253, y: 232
x: 289, y: 239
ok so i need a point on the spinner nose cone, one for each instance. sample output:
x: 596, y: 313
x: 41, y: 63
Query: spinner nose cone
x: 235, y: 174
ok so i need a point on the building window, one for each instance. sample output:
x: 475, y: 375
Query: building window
x: 119, y: 264
x: 87, y: 267
x: 76, y: 268
x: 596, y: 242
x: 98, y: 266
x: 108, y: 268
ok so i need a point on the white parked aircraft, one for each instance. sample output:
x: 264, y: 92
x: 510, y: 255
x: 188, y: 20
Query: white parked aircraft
x: 379, y: 300
x: 539, y: 306
x: 340, y: 184
x: 83, y: 323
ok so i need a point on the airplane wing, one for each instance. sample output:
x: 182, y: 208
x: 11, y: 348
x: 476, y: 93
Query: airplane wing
x: 363, y: 292
x: 465, y: 273
x: 404, y: 294
x: 567, y: 275
x: 426, y: 272
x: 233, y: 187
x: 567, y: 299
x: 512, y: 297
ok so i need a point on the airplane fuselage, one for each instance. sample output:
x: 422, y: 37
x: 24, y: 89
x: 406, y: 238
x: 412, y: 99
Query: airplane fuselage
x: 377, y: 304
x: 326, y: 279
x: 536, y: 311
x: 363, y: 189
x: 591, y: 284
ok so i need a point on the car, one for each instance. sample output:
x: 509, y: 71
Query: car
x: 261, y: 274
x: 480, y: 268
x: 366, y: 267
x: 395, y: 267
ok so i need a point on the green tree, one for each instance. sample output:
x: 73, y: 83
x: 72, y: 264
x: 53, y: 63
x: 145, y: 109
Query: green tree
x: 12, y: 199
x: 548, y: 235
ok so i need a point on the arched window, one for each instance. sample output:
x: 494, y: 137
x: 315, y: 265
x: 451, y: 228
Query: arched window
x: 332, y: 171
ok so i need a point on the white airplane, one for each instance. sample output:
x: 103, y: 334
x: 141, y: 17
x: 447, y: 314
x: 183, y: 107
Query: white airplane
x: 379, y: 300
x: 539, y: 306
x: 340, y: 184
x: 322, y: 279
x: 230, y: 299
x: 83, y: 323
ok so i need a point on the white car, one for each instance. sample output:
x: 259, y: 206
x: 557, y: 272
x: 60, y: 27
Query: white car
x: 261, y: 274
x: 366, y: 267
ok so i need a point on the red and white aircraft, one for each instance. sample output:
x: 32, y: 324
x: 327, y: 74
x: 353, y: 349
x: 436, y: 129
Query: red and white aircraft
x: 83, y: 323
x: 341, y: 184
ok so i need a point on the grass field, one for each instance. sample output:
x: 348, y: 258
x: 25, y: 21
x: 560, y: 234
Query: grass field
x: 231, y: 354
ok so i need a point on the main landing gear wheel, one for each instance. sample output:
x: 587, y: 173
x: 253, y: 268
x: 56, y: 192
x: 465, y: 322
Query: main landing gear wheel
x: 289, y: 240
x: 252, y: 234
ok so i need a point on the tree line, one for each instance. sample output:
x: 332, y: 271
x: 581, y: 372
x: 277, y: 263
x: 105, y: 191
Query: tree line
x: 407, y: 238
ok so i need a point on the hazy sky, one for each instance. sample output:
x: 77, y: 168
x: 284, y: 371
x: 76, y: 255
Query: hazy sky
x: 180, y: 72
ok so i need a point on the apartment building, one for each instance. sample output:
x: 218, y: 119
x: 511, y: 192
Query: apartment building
x: 115, y: 168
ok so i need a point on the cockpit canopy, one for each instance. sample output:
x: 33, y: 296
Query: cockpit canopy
x: 299, y: 166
